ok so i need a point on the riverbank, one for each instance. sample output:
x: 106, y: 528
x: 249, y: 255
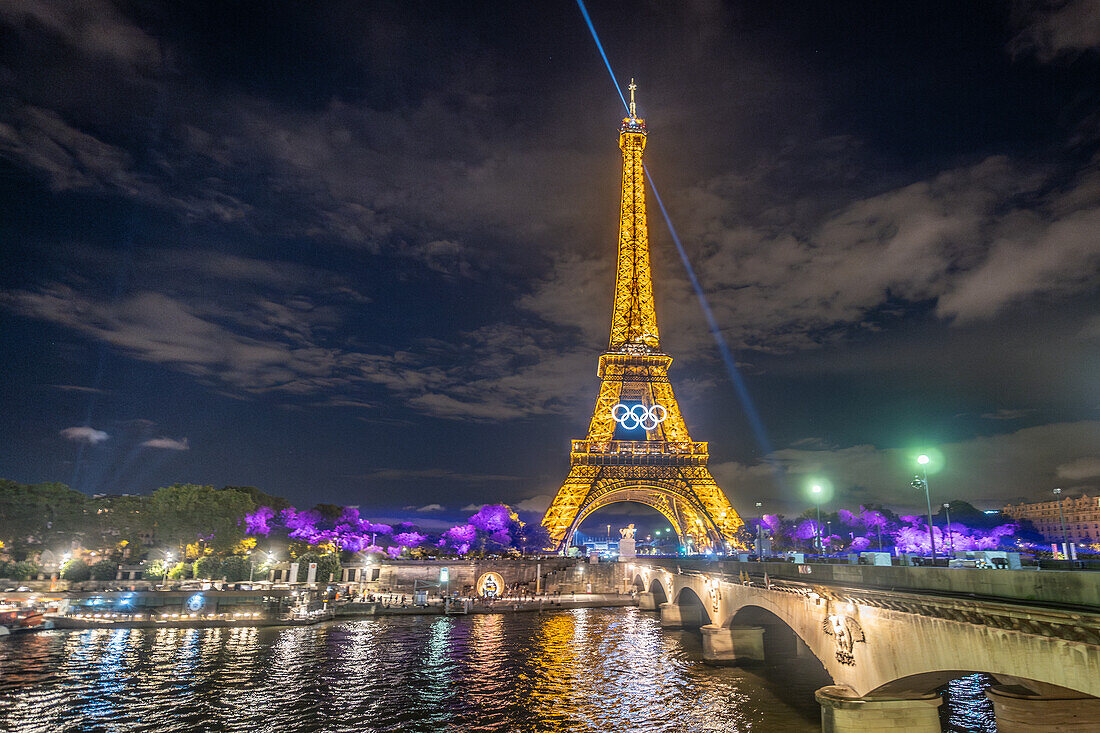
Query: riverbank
x: 474, y: 606
x: 347, y: 611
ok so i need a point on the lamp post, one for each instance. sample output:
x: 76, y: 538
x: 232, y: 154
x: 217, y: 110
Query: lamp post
x: 923, y: 460
x: 251, y: 566
x: 947, y: 528
x: 816, y: 489
x: 167, y: 561
x: 760, y: 530
x: 1062, y: 516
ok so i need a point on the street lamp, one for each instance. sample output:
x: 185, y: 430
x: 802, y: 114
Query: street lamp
x: 816, y: 489
x: 922, y: 481
x: 1062, y: 515
x: 950, y: 539
x: 167, y: 562
x: 760, y: 529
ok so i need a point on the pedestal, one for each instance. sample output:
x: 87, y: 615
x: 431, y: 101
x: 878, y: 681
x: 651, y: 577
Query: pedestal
x: 626, y: 549
x: 1019, y: 712
x: 674, y: 616
x: 646, y: 601
x: 841, y: 712
x: 733, y: 645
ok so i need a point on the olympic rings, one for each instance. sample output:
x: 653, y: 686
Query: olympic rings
x: 639, y: 416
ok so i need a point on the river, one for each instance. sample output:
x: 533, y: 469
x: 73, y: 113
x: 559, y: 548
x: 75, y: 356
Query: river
x: 581, y: 670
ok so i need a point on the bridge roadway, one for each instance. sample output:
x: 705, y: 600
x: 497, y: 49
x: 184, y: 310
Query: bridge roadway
x: 888, y: 637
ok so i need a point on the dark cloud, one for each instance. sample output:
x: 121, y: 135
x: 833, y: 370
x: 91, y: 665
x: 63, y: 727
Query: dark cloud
x: 989, y: 471
x: 1054, y: 28
x: 346, y: 207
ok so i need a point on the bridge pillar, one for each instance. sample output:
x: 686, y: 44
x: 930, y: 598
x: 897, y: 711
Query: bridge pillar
x: 674, y: 616
x: 1019, y: 712
x: 732, y: 645
x: 843, y: 712
x: 646, y: 601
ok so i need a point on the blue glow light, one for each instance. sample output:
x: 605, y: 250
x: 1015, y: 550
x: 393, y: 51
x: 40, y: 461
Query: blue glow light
x: 723, y: 348
x: 753, y: 416
x: 596, y: 38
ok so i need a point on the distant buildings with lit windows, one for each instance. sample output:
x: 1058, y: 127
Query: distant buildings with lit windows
x: 1082, y: 518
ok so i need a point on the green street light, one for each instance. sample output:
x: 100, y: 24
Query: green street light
x: 922, y: 481
x: 816, y: 489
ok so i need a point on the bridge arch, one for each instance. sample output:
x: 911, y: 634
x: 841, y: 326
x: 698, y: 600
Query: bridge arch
x: 657, y: 588
x: 690, y: 608
x: 780, y: 638
x: 638, y: 583
x: 879, y: 652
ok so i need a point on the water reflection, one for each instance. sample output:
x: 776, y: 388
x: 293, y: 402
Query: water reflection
x: 966, y: 709
x: 584, y: 670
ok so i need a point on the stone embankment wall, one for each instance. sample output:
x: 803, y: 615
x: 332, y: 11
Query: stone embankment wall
x: 550, y: 574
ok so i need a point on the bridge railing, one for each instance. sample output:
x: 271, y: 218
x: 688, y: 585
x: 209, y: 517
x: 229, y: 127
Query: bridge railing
x: 1057, y: 588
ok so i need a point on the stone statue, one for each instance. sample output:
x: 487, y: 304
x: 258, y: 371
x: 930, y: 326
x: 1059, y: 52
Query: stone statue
x: 628, y: 532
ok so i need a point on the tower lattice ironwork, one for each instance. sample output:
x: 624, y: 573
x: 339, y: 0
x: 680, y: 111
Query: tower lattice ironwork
x: 638, y: 448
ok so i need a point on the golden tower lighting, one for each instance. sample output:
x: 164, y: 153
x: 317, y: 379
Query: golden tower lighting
x: 666, y: 470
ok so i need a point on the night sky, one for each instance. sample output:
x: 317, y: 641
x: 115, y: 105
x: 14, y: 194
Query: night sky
x: 361, y: 252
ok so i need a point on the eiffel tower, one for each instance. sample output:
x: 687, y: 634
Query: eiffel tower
x: 638, y: 448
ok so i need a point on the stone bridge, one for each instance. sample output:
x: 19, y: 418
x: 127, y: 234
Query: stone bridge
x: 887, y: 650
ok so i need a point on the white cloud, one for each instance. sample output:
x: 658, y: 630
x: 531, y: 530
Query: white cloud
x: 537, y: 504
x: 91, y: 436
x: 167, y: 444
x: 431, y: 508
x: 1081, y: 468
x: 472, y: 508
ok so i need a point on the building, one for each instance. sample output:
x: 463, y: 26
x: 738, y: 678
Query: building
x: 1081, y: 516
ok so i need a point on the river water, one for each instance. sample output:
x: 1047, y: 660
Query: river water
x: 581, y: 670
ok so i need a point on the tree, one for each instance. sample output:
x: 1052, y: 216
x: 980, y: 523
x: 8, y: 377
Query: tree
x: 303, y: 565
x: 46, y: 515
x: 187, y: 512
x: 118, y: 524
x: 206, y: 566
x: 180, y: 571
x: 104, y: 570
x: 75, y: 571
x: 18, y: 570
x: 155, y: 570
x: 330, y: 512
x: 328, y: 566
x: 260, y: 498
x: 235, y: 568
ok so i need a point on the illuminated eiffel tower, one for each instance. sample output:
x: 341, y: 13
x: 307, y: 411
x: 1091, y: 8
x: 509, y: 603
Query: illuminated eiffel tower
x: 638, y: 448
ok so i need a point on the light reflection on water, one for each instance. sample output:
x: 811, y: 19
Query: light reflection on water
x: 582, y: 670
x: 966, y: 709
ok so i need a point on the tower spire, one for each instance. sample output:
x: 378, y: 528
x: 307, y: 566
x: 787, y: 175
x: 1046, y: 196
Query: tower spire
x: 633, y: 318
